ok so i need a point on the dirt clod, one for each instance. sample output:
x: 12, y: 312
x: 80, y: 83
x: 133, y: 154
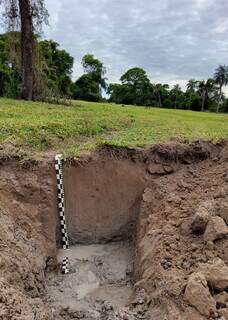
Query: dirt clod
x: 216, y: 229
x: 201, y: 218
x: 224, y: 213
x: 216, y: 274
x: 198, y: 295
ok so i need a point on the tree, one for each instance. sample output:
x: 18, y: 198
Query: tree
x: 137, y: 86
x: 135, y: 77
x: 225, y: 105
x: 161, y: 91
x: 89, y: 86
x: 116, y: 92
x: 191, y: 86
x: 56, y: 67
x: 176, y: 95
x: 205, y: 88
x: 26, y: 50
x: 9, y: 65
x: 95, y: 68
x: 52, y: 68
x: 29, y: 16
x: 192, y: 96
x: 85, y: 88
x: 221, y: 78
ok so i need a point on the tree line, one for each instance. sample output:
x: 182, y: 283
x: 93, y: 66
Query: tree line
x: 35, y: 69
x: 52, y: 77
x: 200, y: 95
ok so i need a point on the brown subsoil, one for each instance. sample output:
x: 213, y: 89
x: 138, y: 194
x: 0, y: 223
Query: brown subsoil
x: 170, y: 201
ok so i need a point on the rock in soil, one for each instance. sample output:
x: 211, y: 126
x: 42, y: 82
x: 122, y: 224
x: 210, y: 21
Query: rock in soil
x: 198, y: 295
x: 216, y: 273
x: 216, y: 229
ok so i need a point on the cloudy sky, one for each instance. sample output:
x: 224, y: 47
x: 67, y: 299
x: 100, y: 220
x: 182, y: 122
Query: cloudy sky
x: 173, y: 40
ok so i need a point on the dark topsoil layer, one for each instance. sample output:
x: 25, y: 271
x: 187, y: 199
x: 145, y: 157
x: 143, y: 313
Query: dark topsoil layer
x: 175, y: 193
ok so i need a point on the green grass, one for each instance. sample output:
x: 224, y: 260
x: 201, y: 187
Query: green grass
x: 84, y: 125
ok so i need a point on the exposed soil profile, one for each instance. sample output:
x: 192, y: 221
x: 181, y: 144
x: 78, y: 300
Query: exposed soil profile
x: 103, y: 199
x: 148, y: 233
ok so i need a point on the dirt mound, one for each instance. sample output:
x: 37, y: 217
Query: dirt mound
x: 27, y: 238
x: 174, y: 151
x: 9, y: 151
x: 22, y: 281
x: 182, y: 247
x: 170, y: 200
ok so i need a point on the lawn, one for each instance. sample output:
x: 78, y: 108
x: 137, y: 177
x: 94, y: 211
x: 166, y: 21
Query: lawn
x: 84, y: 125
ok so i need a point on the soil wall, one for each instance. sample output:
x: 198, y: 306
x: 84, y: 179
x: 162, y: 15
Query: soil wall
x: 28, y: 192
x: 103, y: 199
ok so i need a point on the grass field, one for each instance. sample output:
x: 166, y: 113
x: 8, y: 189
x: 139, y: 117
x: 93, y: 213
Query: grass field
x: 85, y: 125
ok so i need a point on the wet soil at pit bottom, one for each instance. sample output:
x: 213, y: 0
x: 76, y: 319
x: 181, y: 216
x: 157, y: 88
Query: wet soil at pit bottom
x: 98, y: 283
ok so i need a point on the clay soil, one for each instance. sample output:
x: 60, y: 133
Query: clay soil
x: 148, y: 233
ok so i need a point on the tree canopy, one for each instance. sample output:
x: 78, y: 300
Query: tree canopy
x: 90, y: 85
x: 136, y: 88
x: 221, y: 78
x: 95, y: 68
x: 10, y: 76
x: 57, y: 67
x: 28, y: 17
x: 52, y: 68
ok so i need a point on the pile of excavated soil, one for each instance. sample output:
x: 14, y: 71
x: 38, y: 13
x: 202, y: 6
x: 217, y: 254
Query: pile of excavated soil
x: 170, y: 201
x: 182, y: 247
x: 22, y: 273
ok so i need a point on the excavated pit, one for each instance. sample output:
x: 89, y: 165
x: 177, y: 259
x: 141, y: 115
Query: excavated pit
x: 102, y: 202
x: 137, y: 250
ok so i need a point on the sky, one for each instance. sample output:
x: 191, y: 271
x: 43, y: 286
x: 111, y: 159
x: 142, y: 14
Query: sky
x: 173, y: 40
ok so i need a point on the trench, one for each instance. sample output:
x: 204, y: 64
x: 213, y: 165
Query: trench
x: 129, y: 215
x: 102, y: 202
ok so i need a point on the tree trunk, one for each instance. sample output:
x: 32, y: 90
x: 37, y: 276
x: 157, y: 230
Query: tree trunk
x: 220, y: 99
x: 26, y: 50
x: 203, y: 101
x: 159, y: 100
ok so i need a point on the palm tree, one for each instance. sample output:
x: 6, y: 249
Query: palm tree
x: 191, y: 92
x: 205, y: 88
x: 191, y: 85
x: 160, y: 92
x: 221, y: 78
x: 176, y: 94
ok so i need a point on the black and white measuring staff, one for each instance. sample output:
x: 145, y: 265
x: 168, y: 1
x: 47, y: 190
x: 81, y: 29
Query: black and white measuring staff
x: 60, y: 190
